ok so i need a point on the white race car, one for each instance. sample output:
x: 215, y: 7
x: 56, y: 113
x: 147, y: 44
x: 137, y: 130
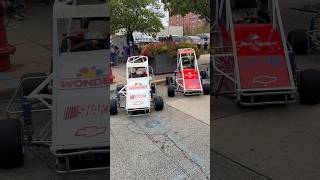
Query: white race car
x: 139, y: 94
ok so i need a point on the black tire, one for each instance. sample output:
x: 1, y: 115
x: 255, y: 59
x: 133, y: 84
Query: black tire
x: 153, y: 88
x: 11, y: 143
x: 203, y: 74
x: 309, y: 87
x: 119, y: 87
x: 113, y: 107
x: 206, y: 89
x: 171, y: 91
x: 30, y: 85
x: 158, y: 103
x: 169, y: 80
x: 299, y: 41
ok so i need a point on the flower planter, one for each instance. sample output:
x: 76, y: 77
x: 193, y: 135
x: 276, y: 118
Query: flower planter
x: 163, y: 64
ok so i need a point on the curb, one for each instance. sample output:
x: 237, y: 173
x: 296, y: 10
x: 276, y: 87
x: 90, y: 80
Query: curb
x: 159, y: 81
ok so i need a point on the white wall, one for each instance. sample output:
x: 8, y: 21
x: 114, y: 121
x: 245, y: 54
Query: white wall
x: 171, y: 30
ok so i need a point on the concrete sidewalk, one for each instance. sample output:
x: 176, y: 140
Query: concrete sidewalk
x: 169, y: 144
x: 32, y: 39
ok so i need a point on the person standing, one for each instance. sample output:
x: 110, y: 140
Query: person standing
x: 19, y: 9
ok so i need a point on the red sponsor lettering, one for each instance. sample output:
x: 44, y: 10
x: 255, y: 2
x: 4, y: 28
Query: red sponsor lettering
x: 84, y: 83
x: 132, y: 97
x: 81, y: 111
x: 138, y: 87
x: 256, y: 43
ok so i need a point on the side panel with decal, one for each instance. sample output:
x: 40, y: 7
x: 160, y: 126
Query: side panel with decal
x: 261, y: 57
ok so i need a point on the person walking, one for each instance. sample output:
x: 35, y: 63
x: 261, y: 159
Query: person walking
x: 19, y: 9
x: 114, y: 52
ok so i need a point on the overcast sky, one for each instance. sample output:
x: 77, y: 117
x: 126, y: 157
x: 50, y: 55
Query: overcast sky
x: 165, y: 19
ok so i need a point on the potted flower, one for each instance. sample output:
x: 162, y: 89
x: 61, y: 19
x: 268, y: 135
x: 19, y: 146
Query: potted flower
x: 189, y: 45
x: 163, y: 55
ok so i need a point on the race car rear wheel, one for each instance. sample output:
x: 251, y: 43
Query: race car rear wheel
x: 29, y: 85
x: 206, y: 89
x: 169, y: 80
x: 11, y: 143
x: 158, y: 103
x: 309, y: 87
x: 171, y: 90
x: 299, y: 41
x: 113, y: 107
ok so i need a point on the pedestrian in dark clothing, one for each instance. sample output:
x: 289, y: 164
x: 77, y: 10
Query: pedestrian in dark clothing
x: 19, y: 7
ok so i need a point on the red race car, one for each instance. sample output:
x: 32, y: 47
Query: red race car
x: 252, y: 60
x: 187, y: 79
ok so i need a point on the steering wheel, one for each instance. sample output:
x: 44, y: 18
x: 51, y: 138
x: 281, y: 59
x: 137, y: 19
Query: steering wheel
x: 88, y: 45
x: 252, y: 19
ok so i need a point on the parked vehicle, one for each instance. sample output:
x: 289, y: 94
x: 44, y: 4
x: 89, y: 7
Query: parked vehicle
x: 197, y: 40
x: 187, y: 78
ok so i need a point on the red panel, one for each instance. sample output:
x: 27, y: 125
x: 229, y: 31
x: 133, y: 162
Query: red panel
x: 261, y: 57
x: 187, y: 51
x: 191, y: 79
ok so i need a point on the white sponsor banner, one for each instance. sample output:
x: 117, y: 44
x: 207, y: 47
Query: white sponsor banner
x: 138, y: 93
x: 82, y: 100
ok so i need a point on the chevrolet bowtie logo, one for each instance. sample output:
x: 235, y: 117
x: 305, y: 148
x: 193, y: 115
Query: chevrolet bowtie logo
x: 91, y: 131
x: 265, y: 80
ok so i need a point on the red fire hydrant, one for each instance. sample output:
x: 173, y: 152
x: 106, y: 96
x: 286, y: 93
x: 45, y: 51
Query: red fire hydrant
x: 5, y: 49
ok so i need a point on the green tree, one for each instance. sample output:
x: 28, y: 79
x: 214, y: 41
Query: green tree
x: 183, y: 7
x: 204, y: 27
x: 135, y: 15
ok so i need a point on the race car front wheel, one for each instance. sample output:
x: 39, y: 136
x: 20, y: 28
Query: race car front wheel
x: 158, y: 103
x: 11, y: 143
x: 113, y: 107
x: 171, y: 90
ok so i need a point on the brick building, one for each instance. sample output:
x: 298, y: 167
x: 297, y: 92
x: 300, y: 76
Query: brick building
x: 190, y: 22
